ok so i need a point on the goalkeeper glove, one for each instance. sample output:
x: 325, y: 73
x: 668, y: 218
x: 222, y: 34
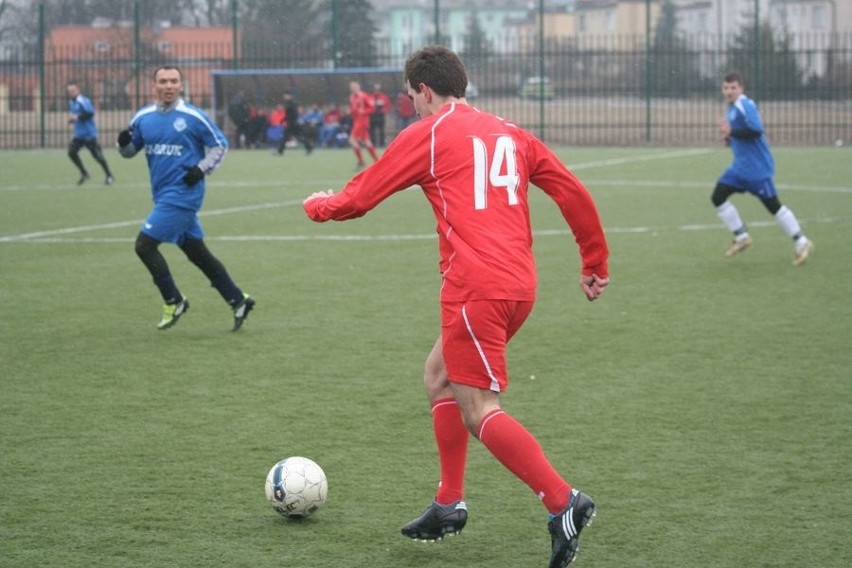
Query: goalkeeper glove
x: 193, y: 175
x: 125, y: 137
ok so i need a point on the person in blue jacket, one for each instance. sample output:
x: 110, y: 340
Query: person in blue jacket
x: 182, y: 146
x: 751, y: 171
x: 85, y: 132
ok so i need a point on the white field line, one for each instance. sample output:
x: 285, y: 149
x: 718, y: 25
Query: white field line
x: 407, y: 237
x: 55, y: 235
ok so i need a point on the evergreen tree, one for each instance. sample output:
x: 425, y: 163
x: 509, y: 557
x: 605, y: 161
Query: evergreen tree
x: 766, y: 62
x: 673, y: 71
x: 281, y: 33
x: 477, y: 47
x: 350, y: 32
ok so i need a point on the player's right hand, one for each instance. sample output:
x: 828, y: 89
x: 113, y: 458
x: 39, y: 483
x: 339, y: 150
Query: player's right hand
x: 125, y: 137
x: 593, y: 286
x: 321, y: 194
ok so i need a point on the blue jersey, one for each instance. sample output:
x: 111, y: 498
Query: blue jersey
x: 175, y: 138
x: 84, y: 126
x: 752, y: 157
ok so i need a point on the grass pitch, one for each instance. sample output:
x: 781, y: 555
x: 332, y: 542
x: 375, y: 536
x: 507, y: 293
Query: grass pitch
x: 704, y: 402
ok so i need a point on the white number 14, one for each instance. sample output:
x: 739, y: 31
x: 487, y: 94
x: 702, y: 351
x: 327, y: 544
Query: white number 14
x: 503, y: 160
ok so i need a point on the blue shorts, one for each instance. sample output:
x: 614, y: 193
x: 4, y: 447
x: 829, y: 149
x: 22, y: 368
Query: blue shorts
x: 762, y: 188
x: 172, y: 224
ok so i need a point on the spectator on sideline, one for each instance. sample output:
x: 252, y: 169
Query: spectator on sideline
x: 751, y: 171
x: 85, y: 133
x: 276, y: 124
x: 381, y: 106
x: 475, y: 169
x: 238, y: 112
x: 405, y: 113
x: 342, y: 136
x: 182, y: 146
x: 311, y: 120
x: 330, y: 126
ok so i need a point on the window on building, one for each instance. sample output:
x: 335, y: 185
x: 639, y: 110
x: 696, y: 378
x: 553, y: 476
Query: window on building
x: 101, y: 46
x: 818, y: 17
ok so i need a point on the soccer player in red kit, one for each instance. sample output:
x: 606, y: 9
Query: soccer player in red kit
x: 360, y: 107
x: 475, y: 169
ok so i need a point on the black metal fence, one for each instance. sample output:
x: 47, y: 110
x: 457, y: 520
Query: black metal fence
x: 595, y: 91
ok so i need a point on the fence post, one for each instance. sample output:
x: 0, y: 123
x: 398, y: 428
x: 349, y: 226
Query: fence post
x: 137, y: 58
x: 437, y: 22
x: 648, y: 62
x: 541, y: 69
x: 756, y: 90
x: 334, y: 34
x: 41, y: 76
x: 235, y: 47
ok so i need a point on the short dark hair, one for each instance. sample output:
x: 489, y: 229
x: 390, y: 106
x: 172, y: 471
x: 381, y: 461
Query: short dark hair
x: 166, y: 68
x: 734, y: 77
x: 439, y: 68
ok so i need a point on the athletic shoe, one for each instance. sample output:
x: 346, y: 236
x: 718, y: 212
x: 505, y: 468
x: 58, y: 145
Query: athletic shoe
x: 172, y: 312
x: 738, y: 246
x: 803, y: 252
x: 359, y: 166
x: 109, y: 180
x: 241, y: 311
x: 83, y: 178
x: 437, y: 521
x: 566, y: 526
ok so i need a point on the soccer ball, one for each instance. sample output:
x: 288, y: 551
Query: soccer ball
x: 296, y: 487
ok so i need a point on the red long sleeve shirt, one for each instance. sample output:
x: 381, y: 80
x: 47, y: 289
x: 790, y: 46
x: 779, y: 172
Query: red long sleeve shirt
x: 475, y: 169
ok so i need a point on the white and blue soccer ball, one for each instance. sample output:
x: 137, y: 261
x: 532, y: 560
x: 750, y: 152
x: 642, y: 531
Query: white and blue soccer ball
x: 296, y: 487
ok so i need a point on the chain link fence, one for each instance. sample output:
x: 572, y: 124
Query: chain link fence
x: 628, y: 90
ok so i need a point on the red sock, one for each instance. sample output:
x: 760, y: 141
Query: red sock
x: 520, y: 453
x: 452, y: 438
x: 373, y: 153
x: 358, y: 155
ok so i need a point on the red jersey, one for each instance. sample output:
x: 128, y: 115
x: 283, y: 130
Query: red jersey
x: 381, y: 102
x: 360, y: 106
x: 475, y: 169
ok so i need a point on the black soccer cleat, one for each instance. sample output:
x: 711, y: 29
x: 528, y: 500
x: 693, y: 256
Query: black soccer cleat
x: 241, y: 311
x: 437, y: 521
x: 566, y: 526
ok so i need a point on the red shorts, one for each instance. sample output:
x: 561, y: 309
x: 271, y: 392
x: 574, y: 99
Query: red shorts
x: 474, y: 335
x: 361, y: 129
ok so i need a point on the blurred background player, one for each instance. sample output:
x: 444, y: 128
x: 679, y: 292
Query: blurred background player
x: 182, y: 146
x: 751, y: 171
x: 85, y: 133
x: 293, y: 129
x: 360, y: 108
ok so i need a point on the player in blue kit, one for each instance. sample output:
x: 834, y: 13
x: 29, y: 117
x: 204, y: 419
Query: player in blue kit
x: 85, y: 132
x: 751, y: 171
x: 182, y: 146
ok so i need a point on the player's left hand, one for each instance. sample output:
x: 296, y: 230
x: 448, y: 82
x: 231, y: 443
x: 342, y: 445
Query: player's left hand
x: 593, y: 286
x: 193, y: 175
x: 319, y: 194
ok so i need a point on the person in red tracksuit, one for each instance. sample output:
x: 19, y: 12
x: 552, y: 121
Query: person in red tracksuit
x: 475, y: 170
x: 360, y: 107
